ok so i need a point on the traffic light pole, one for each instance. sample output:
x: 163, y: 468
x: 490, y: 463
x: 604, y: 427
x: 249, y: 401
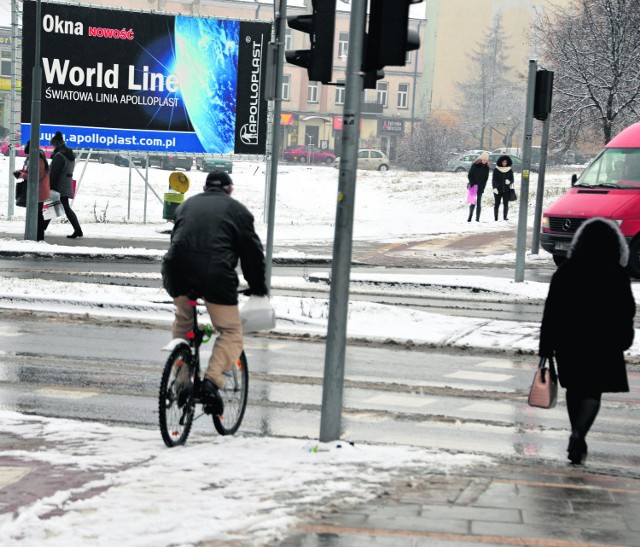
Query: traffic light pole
x: 537, y: 219
x: 280, y: 31
x: 31, y: 223
x: 521, y: 244
x: 333, y: 382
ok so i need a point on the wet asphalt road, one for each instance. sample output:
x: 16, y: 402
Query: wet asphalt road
x: 454, y: 400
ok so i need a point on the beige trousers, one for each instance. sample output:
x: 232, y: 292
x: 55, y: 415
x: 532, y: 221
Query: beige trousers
x: 228, y: 345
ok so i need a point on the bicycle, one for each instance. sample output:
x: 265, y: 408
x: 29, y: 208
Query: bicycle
x: 177, y: 419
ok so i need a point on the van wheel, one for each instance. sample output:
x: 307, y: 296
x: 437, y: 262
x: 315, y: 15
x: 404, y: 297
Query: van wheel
x: 634, y: 259
x: 559, y: 259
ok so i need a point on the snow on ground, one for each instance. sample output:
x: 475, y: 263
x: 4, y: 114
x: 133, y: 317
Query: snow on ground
x: 242, y: 490
x: 245, y: 490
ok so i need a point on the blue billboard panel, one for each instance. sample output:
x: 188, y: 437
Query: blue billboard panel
x: 147, y: 82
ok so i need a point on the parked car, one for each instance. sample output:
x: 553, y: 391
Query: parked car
x: 609, y: 187
x: 463, y: 163
x: 370, y: 159
x: 19, y: 148
x: 210, y: 163
x: 517, y: 163
x: 308, y: 154
x: 120, y: 158
x: 171, y: 161
x: 476, y: 152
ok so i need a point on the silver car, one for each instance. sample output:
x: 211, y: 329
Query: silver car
x: 370, y: 159
x: 463, y: 163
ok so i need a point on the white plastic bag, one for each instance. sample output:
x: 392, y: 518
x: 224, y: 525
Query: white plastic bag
x: 257, y: 314
x: 52, y: 208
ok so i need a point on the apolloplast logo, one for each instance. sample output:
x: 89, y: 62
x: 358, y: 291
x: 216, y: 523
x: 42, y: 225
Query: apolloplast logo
x: 249, y: 131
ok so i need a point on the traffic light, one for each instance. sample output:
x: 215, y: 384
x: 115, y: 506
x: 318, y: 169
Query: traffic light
x: 389, y: 38
x: 543, y: 94
x: 320, y: 26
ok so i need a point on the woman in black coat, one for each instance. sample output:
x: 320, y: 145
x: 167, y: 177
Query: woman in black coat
x: 478, y: 176
x: 501, y: 181
x: 588, y: 324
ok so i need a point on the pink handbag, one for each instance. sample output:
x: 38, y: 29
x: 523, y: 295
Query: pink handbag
x: 472, y: 194
x: 544, y: 389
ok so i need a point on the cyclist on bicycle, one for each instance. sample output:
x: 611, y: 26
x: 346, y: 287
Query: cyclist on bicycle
x: 212, y: 231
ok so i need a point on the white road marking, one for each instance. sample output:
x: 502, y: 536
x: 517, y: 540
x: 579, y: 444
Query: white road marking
x: 483, y: 376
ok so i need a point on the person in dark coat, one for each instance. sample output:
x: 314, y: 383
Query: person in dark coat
x: 588, y: 324
x: 212, y: 232
x: 63, y: 162
x: 44, y: 192
x: 478, y: 176
x: 501, y: 181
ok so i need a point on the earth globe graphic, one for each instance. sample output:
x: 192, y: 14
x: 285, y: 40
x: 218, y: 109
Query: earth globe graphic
x: 207, y: 68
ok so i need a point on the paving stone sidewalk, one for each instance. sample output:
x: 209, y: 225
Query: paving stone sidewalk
x: 513, y: 503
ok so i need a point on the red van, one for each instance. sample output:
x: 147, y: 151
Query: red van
x: 609, y: 187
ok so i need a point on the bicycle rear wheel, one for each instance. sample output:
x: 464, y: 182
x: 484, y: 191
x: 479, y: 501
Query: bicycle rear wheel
x: 234, y: 395
x: 175, y: 421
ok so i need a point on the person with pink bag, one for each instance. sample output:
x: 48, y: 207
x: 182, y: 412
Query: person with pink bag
x: 587, y: 324
x: 478, y: 176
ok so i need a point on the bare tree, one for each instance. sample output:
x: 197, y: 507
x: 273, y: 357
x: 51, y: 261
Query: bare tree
x: 489, y: 97
x: 430, y: 145
x: 593, y: 47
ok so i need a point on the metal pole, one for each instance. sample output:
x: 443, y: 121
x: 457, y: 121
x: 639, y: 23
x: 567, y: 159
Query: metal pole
x: 31, y: 222
x: 340, y: 270
x: 537, y: 218
x: 12, y: 108
x: 281, y: 29
x: 521, y: 244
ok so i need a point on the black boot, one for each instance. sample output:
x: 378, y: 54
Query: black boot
x: 471, y: 208
x: 577, y: 449
x: 211, y: 400
x: 75, y: 234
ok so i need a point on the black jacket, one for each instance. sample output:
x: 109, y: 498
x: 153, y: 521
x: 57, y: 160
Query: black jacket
x: 212, y: 232
x: 478, y: 175
x: 588, y: 323
x: 499, y: 179
x: 63, y: 161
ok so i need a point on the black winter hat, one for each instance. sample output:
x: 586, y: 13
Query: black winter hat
x: 218, y: 178
x: 57, y: 139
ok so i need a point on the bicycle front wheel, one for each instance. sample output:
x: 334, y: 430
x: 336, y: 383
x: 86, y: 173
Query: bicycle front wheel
x: 234, y: 396
x: 175, y: 418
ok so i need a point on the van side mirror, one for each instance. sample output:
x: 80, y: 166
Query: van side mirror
x: 574, y: 179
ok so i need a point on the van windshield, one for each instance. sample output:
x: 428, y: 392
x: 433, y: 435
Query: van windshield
x: 614, y: 168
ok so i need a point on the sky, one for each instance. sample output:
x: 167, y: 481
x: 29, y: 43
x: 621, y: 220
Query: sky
x: 250, y: 495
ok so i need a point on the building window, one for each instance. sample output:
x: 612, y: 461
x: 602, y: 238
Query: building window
x: 312, y: 92
x: 288, y: 39
x: 343, y: 45
x: 340, y: 92
x: 381, y: 93
x: 286, y: 87
x: 403, y: 96
x: 5, y: 64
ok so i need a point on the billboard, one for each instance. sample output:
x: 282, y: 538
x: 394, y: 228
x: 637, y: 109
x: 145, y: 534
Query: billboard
x: 123, y: 80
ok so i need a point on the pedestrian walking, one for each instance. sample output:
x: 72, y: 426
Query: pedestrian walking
x: 478, y: 176
x: 63, y: 161
x: 44, y: 190
x: 501, y: 180
x: 588, y: 327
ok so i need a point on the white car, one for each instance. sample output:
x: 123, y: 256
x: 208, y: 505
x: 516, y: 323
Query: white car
x: 370, y: 159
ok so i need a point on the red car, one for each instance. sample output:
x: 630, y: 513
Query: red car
x: 310, y: 154
x: 4, y: 148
